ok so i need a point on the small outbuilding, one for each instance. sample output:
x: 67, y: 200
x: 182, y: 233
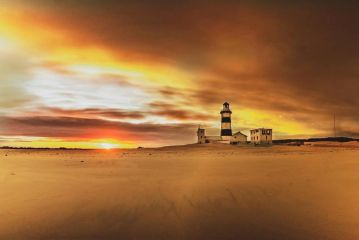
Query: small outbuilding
x: 261, y: 136
x: 202, y: 138
x: 238, y: 138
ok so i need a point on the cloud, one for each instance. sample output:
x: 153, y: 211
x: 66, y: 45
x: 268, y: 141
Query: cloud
x: 98, y: 112
x: 172, y: 111
x: 15, y: 72
x: 154, y: 109
x: 289, y: 58
x: 89, y: 128
x: 53, y: 89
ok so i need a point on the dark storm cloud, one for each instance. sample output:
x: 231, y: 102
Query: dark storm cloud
x: 109, y: 113
x: 145, y: 29
x: 293, y: 58
x: 174, y: 112
x: 87, y: 128
x: 161, y: 109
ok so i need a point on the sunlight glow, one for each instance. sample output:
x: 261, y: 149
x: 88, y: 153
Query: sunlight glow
x: 108, y: 146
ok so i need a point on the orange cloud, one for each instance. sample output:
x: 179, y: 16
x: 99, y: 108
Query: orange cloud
x: 287, y: 65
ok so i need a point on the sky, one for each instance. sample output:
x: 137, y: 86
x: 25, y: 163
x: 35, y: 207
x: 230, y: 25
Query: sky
x: 101, y: 74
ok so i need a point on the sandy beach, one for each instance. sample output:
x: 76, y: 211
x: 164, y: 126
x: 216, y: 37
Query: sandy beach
x: 186, y: 192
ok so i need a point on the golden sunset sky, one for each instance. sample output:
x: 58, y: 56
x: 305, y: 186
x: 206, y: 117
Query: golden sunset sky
x: 98, y: 74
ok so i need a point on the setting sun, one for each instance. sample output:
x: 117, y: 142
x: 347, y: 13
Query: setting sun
x: 108, y: 145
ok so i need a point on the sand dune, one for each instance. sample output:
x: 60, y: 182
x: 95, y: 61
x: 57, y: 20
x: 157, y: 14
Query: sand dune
x: 185, y: 192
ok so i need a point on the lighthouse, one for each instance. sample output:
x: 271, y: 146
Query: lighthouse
x: 226, y: 129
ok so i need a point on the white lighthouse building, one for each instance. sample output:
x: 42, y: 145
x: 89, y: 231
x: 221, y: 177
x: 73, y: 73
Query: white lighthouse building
x: 226, y: 128
x: 226, y: 135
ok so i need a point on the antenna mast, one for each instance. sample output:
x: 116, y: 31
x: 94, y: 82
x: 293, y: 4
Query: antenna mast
x: 334, y: 128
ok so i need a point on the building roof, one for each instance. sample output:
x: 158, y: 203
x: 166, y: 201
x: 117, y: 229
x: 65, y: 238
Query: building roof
x: 239, y: 133
x: 261, y: 129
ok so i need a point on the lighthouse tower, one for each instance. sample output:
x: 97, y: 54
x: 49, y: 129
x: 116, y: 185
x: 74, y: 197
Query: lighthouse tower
x: 226, y: 129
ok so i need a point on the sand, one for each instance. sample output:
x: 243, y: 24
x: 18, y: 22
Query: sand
x: 186, y: 192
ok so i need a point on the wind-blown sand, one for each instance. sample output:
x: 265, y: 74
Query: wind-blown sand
x: 186, y: 192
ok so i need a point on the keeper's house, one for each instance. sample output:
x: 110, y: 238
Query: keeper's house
x: 261, y: 136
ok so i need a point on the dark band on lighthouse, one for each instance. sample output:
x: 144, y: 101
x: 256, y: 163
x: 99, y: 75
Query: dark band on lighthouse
x: 226, y: 132
x: 226, y: 129
x: 226, y: 119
